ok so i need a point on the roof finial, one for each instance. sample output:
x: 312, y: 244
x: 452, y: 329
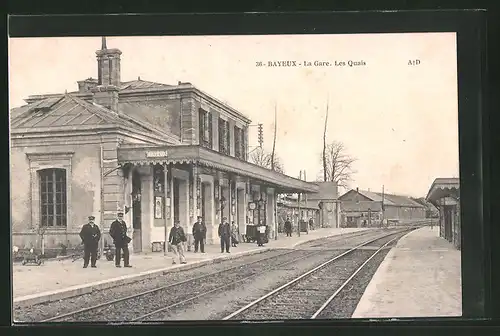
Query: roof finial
x: 103, y: 46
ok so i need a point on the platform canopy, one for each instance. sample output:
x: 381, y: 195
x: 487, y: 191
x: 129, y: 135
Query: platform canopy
x: 443, y: 187
x: 187, y: 154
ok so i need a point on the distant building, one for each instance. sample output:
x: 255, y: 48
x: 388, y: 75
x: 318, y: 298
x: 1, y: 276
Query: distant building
x: 444, y: 193
x: 359, y: 208
x: 430, y: 210
x: 288, y: 206
x: 326, y: 198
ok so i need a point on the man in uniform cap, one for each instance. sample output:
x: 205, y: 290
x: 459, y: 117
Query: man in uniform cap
x: 225, y: 235
x: 118, y: 231
x: 90, y: 235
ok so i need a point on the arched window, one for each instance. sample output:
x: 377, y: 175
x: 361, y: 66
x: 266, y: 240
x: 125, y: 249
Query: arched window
x: 53, y: 212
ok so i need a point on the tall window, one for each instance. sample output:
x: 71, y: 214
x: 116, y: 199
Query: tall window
x: 223, y: 136
x: 53, y: 197
x: 205, y: 129
x: 238, y: 150
x: 243, y: 144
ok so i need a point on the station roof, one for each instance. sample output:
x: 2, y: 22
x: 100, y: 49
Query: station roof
x: 187, y: 154
x: 443, y: 187
x: 73, y: 113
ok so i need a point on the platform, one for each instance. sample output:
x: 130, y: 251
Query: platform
x: 419, y: 277
x: 55, y: 280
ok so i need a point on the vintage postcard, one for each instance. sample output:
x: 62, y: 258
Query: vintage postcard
x: 265, y: 177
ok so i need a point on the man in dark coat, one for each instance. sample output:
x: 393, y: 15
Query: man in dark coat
x: 90, y: 235
x: 288, y: 227
x: 118, y: 231
x: 176, y: 239
x: 311, y: 224
x: 261, y: 235
x: 225, y: 235
x: 199, y: 235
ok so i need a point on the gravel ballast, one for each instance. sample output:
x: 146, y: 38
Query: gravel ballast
x: 215, y: 295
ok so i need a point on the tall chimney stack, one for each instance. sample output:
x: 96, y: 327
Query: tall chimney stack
x: 108, y: 79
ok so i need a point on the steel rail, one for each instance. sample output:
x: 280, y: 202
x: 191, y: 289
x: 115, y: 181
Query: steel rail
x: 239, y: 281
x: 288, y: 284
x: 217, y: 289
x: 334, y: 295
x: 133, y: 296
x: 242, y: 280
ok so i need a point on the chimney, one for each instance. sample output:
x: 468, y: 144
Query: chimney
x: 108, y: 79
x: 87, y: 85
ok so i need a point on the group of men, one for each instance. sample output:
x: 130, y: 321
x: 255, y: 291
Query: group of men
x: 91, y: 234
x: 177, y: 237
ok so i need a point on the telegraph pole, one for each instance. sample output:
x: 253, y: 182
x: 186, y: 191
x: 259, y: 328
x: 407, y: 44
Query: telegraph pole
x: 298, y: 202
x: 305, y: 198
x: 383, y: 208
x: 274, y: 140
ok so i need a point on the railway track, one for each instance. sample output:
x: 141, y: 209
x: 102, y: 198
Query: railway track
x: 132, y: 307
x: 309, y: 295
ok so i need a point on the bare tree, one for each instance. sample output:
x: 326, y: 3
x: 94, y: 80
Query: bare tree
x: 338, y: 164
x: 325, y: 177
x: 262, y: 158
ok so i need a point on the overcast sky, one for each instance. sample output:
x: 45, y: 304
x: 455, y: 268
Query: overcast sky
x: 399, y: 121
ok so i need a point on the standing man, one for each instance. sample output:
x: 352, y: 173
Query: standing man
x: 176, y: 239
x: 199, y: 235
x: 225, y: 235
x: 261, y: 234
x: 118, y: 231
x: 288, y: 227
x: 90, y: 235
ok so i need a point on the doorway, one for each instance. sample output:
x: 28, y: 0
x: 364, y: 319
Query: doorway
x: 136, y: 212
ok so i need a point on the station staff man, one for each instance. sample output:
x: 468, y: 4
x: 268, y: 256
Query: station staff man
x: 199, y: 234
x: 90, y: 235
x: 118, y: 231
x: 225, y: 235
x: 262, y: 234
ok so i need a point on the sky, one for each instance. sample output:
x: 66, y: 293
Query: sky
x: 399, y: 121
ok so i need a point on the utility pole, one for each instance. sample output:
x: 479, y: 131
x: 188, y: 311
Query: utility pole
x: 305, y: 198
x: 260, y: 136
x: 274, y: 140
x: 383, y: 208
x: 298, y: 202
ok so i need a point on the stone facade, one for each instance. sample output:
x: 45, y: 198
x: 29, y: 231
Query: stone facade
x: 134, y: 147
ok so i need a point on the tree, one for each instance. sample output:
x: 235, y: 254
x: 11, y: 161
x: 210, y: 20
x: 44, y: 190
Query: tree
x: 325, y: 176
x: 262, y: 158
x: 338, y: 165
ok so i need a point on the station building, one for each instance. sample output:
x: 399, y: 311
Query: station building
x: 288, y: 207
x: 321, y: 206
x: 444, y: 193
x: 157, y: 152
x: 361, y: 207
